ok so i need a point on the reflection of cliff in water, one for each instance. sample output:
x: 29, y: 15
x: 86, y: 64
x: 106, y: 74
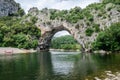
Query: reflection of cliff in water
x: 18, y: 67
x: 56, y: 66
x: 25, y: 67
x: 83, y: 66
x: 45, y: 69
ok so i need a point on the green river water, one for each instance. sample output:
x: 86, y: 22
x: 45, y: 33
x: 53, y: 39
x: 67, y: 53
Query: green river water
x: 57, y: 66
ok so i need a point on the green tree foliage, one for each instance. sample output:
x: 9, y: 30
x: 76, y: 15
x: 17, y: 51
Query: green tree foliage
x: 65, y: 42
x: 108, y: 40
x: 21, y: 12
x: 112, y: 1
x: 14, y: 33
x: 72, y: 15
x: 96, y: 27
x: 76, y: 14
x: 89, y: 31
x: 34, y: 19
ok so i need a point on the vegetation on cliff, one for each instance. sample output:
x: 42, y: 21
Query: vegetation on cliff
x: 108, y: 40
x: 65, y: 42
x: 75, y: 14
x: 21, y: 32
x: 112, y: 1
x: 88, y: 15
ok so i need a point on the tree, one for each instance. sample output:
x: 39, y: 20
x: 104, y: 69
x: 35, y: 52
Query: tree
x: 13, y: 33
x: 108, y: 40
x: 65, y: 42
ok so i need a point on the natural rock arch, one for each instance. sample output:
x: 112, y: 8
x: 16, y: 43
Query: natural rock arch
x: 47, y: 35
x: 49, y: 27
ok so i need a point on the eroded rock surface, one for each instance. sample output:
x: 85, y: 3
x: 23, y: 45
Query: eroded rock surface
x: 8, y: 7
x: 49, y: 27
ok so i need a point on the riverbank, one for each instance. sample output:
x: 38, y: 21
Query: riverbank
x: 10, y: 50
x: 108, y: 75
x: 63, y: 50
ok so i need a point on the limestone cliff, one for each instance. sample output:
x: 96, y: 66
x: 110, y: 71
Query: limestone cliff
x: 8, y: 7
x: 94, y: 18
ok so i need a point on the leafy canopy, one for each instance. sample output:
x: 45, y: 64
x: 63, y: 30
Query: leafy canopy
x: 14, y: 33
x: 108, y: 40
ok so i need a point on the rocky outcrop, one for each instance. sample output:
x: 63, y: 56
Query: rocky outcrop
x: 8, y: 7
x: 50, y: 27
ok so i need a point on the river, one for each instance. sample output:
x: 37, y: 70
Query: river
x: 57, y: 66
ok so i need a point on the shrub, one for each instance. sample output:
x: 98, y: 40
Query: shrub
x: 96, y: 27
x: 34, y: 19
x: 108, y: 40
x: 16, y: 34
x: 64, y: 42
x: 111, y: 1
x: 89, y: 31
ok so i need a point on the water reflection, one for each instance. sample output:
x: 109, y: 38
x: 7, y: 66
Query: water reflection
x: 18, y: 67
x: 56, y: 66
x: 45, y: 70
x: 26, y: 67
x: 62, y: 62
x: 84, y: 66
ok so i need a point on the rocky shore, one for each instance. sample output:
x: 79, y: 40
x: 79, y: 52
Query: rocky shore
x: 109, y: 76
x: 9, y: 50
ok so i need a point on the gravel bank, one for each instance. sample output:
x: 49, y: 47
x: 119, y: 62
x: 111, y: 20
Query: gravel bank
x: 109, y: 76
x: 9, y: 50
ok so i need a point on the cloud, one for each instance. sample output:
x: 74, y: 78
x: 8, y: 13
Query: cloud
x: 56, y: 4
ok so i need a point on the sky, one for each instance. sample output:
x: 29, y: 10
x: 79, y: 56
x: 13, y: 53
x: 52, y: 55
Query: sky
x: 54, y: 4
x: 61, y: 33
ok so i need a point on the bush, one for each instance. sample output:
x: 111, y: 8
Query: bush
x: 96, y: 27
x: 21, y: 12
x: 34, y: 20
x: 65, y: 42
x: 89, y: 31
x: 111, y: 1
x: 16, y: 34
x: 108, y: 40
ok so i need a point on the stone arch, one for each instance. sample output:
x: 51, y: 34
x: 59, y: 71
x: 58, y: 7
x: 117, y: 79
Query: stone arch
x: 47, y: 35
x: 49, y: 26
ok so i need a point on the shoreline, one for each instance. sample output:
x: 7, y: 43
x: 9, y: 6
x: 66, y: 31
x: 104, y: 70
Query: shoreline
x: 63, y: 50
x: 108, y: 75
x: 11, y: 50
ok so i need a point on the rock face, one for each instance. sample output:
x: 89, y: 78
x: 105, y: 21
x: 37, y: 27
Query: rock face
x: 8, y: 7
x: 77, y: 30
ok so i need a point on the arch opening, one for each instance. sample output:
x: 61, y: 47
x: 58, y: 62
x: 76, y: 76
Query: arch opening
x: 48, y: 35
x: 63, y: 40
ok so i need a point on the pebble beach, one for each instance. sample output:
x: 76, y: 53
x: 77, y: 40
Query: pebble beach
x: 9, y: 50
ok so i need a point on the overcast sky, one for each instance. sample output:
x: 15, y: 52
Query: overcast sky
x: 56, y: 4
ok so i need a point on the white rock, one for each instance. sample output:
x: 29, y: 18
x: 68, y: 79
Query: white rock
x: 110, y: 75
x: 96, y: 78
